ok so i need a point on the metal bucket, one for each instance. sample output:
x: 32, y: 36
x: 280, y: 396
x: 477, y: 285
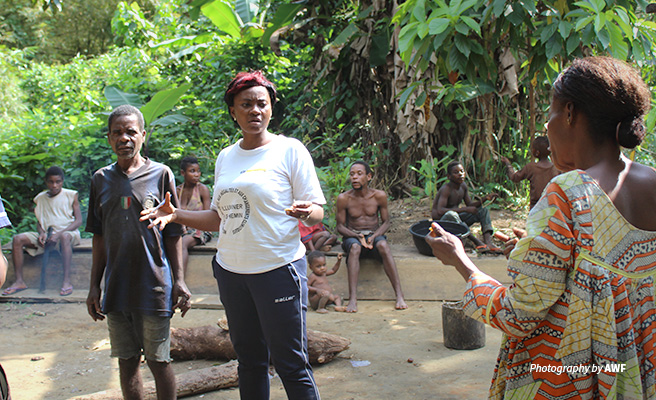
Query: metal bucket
x: 459, y: 331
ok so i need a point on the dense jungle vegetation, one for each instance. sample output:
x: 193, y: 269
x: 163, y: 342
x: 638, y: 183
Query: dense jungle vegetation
x: 406, y: 86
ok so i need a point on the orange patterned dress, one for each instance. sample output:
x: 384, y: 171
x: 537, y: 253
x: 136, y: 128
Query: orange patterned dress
x: 579, y: 320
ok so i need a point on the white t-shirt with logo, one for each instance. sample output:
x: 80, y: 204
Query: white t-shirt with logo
x: 252, y: 188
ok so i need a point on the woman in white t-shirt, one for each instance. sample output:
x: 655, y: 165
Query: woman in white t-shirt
x: 264, y: 184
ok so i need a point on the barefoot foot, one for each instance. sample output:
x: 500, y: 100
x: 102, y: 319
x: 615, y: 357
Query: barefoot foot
x: 352, y: 306
x: 400, y: 304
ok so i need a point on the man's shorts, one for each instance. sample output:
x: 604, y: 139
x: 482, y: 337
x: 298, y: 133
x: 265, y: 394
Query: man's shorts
x: 365, y: 252
x: 34, y: 239
x: 131, y: 334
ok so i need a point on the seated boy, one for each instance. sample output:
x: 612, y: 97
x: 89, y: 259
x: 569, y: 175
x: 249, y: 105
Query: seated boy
x: 194, y: 196
x: 446, y: 207
x: 319, y: 290
x: 56, y: 208
x: 316, y: 237
x: 538, y: 173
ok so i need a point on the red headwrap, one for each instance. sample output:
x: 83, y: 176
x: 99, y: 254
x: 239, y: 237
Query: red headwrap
x: 245, y: 80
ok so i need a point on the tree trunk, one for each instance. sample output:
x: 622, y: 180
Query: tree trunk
x: 213, y: 343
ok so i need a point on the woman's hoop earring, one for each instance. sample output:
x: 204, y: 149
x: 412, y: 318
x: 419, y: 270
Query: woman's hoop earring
x: 617, y: 132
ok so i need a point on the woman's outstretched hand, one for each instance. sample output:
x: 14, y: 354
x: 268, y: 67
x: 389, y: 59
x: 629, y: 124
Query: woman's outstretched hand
x: 300, y: 210
x: 446, y: 246
x: 449, y: 249
x: 161, y: 215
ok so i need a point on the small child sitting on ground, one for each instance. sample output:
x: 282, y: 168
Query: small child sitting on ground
x: 194, y: 196
x: 538, y: 173
x: 320, y: 292
x: 316, y: 237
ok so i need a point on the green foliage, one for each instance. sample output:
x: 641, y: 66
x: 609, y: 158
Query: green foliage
x: 333, y: 96
x: 334, y: 178
x: 64, y: 125
x: 130, y: 26
x: 11, y: 95
x: 432, y: 173
x: 466, y: 36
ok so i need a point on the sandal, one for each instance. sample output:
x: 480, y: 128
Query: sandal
x: 66, y: 291
x: 482, y: 249
x: 12, y: 290
x: 495, y: 250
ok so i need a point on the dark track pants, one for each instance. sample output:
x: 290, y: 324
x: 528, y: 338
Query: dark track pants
x: 266, y: 315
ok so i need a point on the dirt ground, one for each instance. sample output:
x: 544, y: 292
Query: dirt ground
x: 55, y: 350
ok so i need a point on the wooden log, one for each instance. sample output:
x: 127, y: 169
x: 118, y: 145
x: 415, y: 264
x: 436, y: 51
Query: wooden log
x: 190, y: 383
x: 324, y: 347
x: 204, y: 342
x: 213, y: 343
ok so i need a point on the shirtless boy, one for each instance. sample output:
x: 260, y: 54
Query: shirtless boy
x: 446, y: 207
x: 362, y: 219
x: 538, y: 173
x: 321, y: 294
x: 194, y: 196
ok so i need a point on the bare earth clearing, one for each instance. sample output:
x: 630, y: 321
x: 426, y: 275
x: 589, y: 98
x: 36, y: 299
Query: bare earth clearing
x: 55, y: 350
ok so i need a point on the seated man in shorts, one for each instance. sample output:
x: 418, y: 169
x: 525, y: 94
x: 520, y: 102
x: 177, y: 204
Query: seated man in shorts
x: 56, y: 208
x: 358, y: 212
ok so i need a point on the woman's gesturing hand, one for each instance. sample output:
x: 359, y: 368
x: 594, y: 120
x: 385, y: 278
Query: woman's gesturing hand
x: 446, y: 246
x: 161, y: 215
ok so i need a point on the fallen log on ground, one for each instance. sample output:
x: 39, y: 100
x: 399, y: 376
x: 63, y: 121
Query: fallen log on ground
x: 213, y: 343
x: 190, y: 383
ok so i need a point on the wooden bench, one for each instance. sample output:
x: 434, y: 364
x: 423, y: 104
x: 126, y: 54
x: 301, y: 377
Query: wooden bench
x: 422, y: 277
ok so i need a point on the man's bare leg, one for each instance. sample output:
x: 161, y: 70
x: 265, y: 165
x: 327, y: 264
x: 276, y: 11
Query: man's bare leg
x: 17, y: 244
x: 164, y: 380
x: 188, y: 242
x: 130, y: 376
x: 353, y: 267
x: 392, y: 272
x: 67, y: 261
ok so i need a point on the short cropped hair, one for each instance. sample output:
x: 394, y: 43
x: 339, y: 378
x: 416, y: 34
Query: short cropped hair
x: 541, y: 143
x: 187, y: 161
x: 313, y: 255
x: 366, y: 166
x: 247, y: 80
x: 125, y: 110
x: 452, y: 165
x: 54, y: 171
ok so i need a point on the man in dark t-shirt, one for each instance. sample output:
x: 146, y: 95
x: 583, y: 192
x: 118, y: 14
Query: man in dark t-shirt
x: 144, y: 280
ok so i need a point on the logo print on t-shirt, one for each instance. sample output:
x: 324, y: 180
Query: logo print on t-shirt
x: 125, y: 202
x: 149, y: 202
x: 234, y: 210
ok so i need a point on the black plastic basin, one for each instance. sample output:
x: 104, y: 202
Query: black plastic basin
x: 420, y: 230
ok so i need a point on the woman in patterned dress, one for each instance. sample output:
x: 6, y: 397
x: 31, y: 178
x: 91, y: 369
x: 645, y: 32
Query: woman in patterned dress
x: 579, y: 320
